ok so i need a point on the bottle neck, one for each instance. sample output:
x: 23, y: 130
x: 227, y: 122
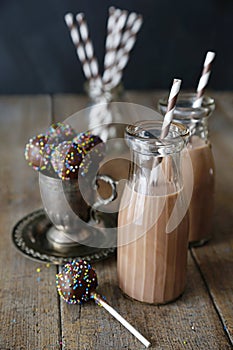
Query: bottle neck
x: 155, y: 164
x: 155, y: 175
x: 196, y: 126
x: 195, y: 119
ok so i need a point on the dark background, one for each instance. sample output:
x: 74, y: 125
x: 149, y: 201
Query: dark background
x: 37, y: 55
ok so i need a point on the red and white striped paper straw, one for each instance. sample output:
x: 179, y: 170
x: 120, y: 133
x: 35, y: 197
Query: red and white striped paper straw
x: 170, y: 107
x: 204, y: 79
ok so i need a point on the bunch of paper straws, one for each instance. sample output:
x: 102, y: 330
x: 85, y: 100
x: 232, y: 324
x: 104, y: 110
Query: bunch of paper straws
x: 122, y: 29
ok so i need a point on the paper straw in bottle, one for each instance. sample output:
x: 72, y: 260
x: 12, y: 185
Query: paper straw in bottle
x: 204, y: 79
x: 166, y: 126
x: 170, y: 107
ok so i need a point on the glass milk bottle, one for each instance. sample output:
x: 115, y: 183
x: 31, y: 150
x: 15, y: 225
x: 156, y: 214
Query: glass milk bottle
x: 152, y: 221
x: 201, y: 206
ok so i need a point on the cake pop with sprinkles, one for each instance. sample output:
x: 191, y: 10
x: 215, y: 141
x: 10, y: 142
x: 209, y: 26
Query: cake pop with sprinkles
x: 73, y: 159
x: 66, y: 158
x: 59, y: 132
x: 94, y: 151
x: 87, y: 140
x: 76, y: 282
x: 37, y: 152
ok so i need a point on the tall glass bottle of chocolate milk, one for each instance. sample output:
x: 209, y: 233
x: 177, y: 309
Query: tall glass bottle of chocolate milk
x: 202, y: 201
x: 152, y: 220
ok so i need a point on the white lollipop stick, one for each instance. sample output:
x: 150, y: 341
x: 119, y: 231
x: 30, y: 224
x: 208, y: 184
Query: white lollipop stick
x: 119, y: 318
x: 204, y: 79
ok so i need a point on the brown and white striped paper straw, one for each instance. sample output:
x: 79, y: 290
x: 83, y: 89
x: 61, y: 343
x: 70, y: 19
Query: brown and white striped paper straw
x: 113, y: 41
x: 128, y: 40
x: 170, y: 107
x: 165, y: 127
x: 89, y: 49
x: 69, y: 19
x: 110, y: 49
x: 204, y: 79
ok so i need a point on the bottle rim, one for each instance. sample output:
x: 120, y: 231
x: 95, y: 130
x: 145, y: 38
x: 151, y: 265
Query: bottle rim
x: 144, y: 137
x: 184, y: 106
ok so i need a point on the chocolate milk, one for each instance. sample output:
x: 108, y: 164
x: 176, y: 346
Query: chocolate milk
x: 202, y: 201
x: 151, y: 262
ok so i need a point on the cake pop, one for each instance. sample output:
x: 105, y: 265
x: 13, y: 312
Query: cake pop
x: 66, y: 158
x: 77, y: 283
x: 36, y: 152
x: 59, y: 132
x: 87, y: 140
x: 39, y: 148
x: 94, y: 151
x: 73, y: 159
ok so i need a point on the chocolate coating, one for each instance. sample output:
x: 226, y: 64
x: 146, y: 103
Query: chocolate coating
x: 35, y: 152
x: 87, y: 141
x: 66, y: 158
x: 76, y: 282
x: 59, y: 132
x: 94, y: 151
x: 73, y: 159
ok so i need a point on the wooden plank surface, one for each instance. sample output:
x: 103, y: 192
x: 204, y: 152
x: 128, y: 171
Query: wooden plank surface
x: 29, y: 314
x: 190, y: 323
x: 215, y: 259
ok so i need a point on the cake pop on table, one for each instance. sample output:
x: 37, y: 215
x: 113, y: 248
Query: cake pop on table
x: 77, y: 283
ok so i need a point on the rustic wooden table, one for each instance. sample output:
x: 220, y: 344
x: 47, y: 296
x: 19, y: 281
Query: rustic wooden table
x: 32, y: 316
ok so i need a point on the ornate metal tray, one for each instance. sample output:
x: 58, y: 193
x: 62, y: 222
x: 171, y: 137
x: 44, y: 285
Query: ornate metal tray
x: 30, y: 238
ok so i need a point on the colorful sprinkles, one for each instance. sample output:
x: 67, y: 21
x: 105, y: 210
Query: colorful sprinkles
x: 87, y: 140
x: 76, y: 282
x: 62, y: 153
x: 59, y: 132
x: 35, y: 152
x: 94, y: 150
